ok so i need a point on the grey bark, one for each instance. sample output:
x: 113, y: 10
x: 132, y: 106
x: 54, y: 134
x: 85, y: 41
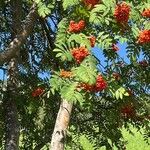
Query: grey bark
x: 13, y: 48
x: 11, y: 114
x: 61, y: 125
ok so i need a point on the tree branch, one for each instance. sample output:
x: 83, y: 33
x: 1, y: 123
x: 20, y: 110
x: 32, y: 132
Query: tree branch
x: 61, y: 125
x: 13, y: 48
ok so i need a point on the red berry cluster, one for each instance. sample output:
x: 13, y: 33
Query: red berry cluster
x: 143, y: 63
x: 144, y: 37
x: 92, y: 40
x: 66, y: 74
x: 122, y: 12
x: 87, y: 87
x: 91, y: 2
x: 79, y: 53
x: 37, y: 92
x: 146, y: 13
x: 82, y: 52
x: 115, y: 47
x: 128, y: 111
x: 76, y: 27
x: 100, y: 85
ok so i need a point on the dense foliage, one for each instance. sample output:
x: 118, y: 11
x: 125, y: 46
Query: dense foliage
x: 107, y: 95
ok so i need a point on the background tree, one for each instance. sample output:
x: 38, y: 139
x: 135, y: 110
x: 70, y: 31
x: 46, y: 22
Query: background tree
x: 105, y: 96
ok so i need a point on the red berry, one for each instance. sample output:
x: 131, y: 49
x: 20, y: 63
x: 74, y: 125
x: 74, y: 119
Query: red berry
x: 101, y: 84
x: 91, y: 3
x: 76, y: 27
x: 87, y: 87
x: 144, y: 37
x: 122, y: 12
x: 37, y: 92
x: 80, y: 53
x: 92, y: 40
x: 65, y: 74
x: 81, y: 24
x: 146, y: 13
x: 143, y: 63
x: 128, y: 111
x: 115, y: 47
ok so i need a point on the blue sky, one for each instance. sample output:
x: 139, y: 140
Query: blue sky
x: 1, y: 74
x: 98, y: 53
x: 122, y: 53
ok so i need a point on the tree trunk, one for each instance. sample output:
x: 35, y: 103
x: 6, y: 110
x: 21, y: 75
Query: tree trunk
x: 11, y: 114
x: 61, y: 125
x: 27, y: 27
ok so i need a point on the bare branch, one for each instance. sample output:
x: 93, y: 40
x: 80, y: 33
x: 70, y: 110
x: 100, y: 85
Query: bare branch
x: 13, y: 48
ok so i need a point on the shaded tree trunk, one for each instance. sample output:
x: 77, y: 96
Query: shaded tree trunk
x: 19, y: 36
x: 11, y: 117
x: 27, y: 27
x: 61, y: 125
x: 11, y: 114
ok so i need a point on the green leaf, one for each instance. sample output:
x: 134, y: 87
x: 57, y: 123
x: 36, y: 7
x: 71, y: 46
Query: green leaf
x: 120, y: 93
x: 108, y: 3
x: 63, y: 50
x: 117, y: 94
x: 37, y: 1
x: 40, y: 119
x: 55, y: 83
x: 135, y: 31
x: 68, y: 92
x: 126, y: 94
x: 59, y: 55
x: 44, y: 9
x: 85, y: 143
x: 147, y: 25
x: 61, y: 36
x: 80, y: 39
x: 75, y: 37
x: 70, y: 3
x: 104, y: 40
x: 84, y: 74
x: 121, y: 39
x: 122, y: 90
x: 101, y: 13
x: 79, y: 97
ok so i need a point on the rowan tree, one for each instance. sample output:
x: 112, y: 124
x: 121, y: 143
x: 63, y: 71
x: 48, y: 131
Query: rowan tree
x: 95, y: 98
